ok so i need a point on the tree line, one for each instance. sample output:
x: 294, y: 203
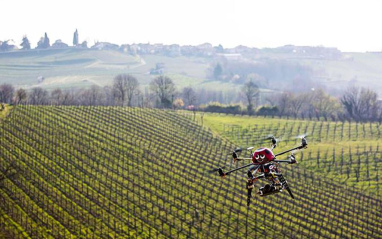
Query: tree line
x: 124, y: 91
x: 43, y: 43
x: 358, y: 104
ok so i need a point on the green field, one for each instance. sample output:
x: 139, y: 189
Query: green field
x: 117, y: 172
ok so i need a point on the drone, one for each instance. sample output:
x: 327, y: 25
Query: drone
x: 264, y: 162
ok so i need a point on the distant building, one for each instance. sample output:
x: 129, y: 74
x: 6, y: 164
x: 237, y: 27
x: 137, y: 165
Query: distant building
x: 205, y: 49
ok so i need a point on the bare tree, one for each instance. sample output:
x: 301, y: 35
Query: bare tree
x: 349, y: 100
x: 68, y: 98
x: 251, y: 92
x: 283, y: 103
x: 297, y: 103
x: 125, y: 87
x: 189, y: 96
x: 110, y: 95
x: 132, y: 88
x: 360, y: 103
x: 164, y: 88
x: 56, y: 97
x: 323, y: 104
x: 20, y: 96
x: 368, y: 104
x: 6, y: 93
x: 92, y: 96
x: 119, y: 88
x: 38, y: 96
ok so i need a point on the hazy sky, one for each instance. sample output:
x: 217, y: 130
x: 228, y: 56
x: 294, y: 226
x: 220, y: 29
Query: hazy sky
x: 348, y: 25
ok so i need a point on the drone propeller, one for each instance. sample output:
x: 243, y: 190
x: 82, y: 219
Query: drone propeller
x: 301, y: 136
x: 304, y: 144
x: 269, y: 136
x: 237, y: 150
x: 273, y: 138
x: 215, y: 169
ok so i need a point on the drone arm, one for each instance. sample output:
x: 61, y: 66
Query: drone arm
x: 292, y: 160
x: 289, y: 150
x: 221, y: 173
x: 281, y: 161
x: 239, y: 159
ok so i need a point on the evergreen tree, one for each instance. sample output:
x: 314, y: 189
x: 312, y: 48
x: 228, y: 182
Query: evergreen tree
x: 218, y: 71
x: 40, y: 43
x: 84, y: 44
x: 75, y: 38
x: 46, y: 41
x: 25, y: 44
x: 4, y: 46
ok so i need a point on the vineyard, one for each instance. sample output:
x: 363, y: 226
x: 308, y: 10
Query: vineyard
x: 117, y: 172
x: 346, y: 152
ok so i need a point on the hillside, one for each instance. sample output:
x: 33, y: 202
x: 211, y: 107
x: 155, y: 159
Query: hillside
x: 75, y: 68
x: 112, y: 172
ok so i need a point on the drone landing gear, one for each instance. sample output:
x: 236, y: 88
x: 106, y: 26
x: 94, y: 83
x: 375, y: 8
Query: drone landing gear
x: 273, y: 188
x: 250, y: 187
x: 268, y: 189
x: 285, y: 185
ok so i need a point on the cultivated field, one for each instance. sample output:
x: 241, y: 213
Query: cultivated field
x: 112, y: 172
x: 348, y: 153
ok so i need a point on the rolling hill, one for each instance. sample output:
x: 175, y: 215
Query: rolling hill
x: 75, y: 67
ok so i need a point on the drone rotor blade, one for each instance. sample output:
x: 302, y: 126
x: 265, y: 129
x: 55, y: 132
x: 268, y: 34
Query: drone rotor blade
x: 269, y: 136
x: 301, y: 136
x: 215, y: 169
x: 273, y: 138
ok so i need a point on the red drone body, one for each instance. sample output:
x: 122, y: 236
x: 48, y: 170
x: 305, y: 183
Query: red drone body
x: 262, y: 156
x: 264, y: 162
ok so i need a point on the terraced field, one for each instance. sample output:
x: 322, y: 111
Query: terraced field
x: 113, y: 172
